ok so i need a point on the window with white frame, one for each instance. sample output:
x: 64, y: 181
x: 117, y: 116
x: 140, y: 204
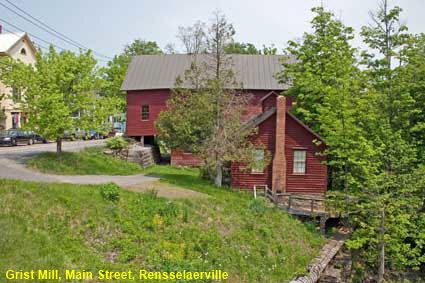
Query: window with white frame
x: 258, y: 161
x: 145, y: 112
x: 300, y: 161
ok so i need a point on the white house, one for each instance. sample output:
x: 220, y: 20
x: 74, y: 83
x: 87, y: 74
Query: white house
x: 19, y: 47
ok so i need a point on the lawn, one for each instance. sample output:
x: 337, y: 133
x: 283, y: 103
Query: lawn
x: 90, y: 161
x: 64, y: 226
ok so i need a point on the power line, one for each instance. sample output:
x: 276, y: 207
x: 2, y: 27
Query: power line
x: 39, y: 38
x: 44, y: 24
x: 49, y: 29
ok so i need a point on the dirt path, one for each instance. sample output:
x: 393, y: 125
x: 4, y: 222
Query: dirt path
x: 165, y: 190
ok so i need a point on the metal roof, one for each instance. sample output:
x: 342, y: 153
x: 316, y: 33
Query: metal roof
x: 161, y: 71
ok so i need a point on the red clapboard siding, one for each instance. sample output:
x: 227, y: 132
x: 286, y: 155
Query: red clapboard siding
x: 156, y: 99
x: 315, y: 179
x: 181, y: 158
x: 243, y: 178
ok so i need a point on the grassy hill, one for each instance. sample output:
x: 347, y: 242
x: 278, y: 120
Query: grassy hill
x: 89, y: 161
x: 63, y: 226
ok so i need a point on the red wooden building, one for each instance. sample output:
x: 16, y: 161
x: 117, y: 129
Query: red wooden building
x: 295, y: 167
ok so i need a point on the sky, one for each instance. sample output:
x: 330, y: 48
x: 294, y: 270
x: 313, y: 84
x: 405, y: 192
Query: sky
x: 107, y: 25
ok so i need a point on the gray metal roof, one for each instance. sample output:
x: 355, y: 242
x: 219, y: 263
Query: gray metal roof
x: 161, y: 71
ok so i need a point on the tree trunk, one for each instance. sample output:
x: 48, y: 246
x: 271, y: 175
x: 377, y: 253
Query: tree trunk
x: 381, y: 269
x: 219, y: 175
x: 59, y: 148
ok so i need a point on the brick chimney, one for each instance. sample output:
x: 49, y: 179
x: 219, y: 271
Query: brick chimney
x: 279, y: 158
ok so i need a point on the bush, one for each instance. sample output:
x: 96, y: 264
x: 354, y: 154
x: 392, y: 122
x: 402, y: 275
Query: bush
x: 110, y: 192
x: 116, y: 144
x: 257, y: 206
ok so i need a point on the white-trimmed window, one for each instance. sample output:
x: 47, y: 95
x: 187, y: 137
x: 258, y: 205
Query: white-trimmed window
x: 145, y: 112
x: 16, y: 93
x: 300, y: 161
x: 258, y: 162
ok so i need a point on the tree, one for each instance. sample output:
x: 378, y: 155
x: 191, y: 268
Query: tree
x: 360, y: 114
x: 241, y: 48
x: 59, y: 93
x: 193, y: 38
x: 269, y: 50
x: 388, y: 38
x: 326, y: 84
x: 116, y: 69
x: 207, y: 118
x: 410, y: 76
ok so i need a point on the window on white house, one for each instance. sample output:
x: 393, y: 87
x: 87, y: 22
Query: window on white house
x: 23, y: 51
x: 16, y: 93
x: 258, y: 162
x: 145, y: 112
x: 299, y: 161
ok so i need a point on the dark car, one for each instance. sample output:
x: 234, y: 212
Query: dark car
x: 26, y: 137
x: 8, y: 138
x: 14, y: 136
x: 36, y: 137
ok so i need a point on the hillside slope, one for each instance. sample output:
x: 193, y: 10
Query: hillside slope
x: 62, y: 226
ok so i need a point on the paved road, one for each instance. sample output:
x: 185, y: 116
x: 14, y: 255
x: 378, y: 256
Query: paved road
x: 12, y: 166
x: 16, y: 152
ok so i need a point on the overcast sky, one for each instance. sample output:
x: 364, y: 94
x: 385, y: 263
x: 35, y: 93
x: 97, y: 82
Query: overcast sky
x: 107, y: 25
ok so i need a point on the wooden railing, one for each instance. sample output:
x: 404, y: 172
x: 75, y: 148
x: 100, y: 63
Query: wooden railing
x: 298, y: 204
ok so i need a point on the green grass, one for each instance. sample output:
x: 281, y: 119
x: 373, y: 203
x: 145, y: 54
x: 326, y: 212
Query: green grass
x: 90, y: 161
x: 64, y: 226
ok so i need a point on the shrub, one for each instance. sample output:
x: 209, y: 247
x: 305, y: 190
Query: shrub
x: 110, y: 192
x: 257, y: 206
x: 116, y: 144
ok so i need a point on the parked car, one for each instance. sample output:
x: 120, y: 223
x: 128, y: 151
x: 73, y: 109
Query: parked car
x: 15, y: 136
x: 8, y: 138
x: 37, y: 138
x: 95, y: 135
x: 81, y: 135
x: 75, y: 135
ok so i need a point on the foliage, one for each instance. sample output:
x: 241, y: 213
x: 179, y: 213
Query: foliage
x: 241, y: 48
x: 110, y: 192
x: 327, y: 87
x: 116, y: 144
x: 208, y: 117
x: 71, y: 224
x: 410, y: 93
x: 193, y: 38
x: 90, y: 161
x: 60, y: 93
x: 367, y: 118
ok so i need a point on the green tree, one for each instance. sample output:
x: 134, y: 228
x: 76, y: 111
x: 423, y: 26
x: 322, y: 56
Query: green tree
x: 410, y: 76
x: 241, y: 48
x: 327, y: 84
x: 358, y: 114
x: 114, y: 73
x: 59, y: 93
x: 207, y: 117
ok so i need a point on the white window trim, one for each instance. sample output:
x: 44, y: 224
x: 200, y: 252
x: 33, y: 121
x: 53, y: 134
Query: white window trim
x: 256, y: 170
x: 141, y: 110
x: 300, y: 162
